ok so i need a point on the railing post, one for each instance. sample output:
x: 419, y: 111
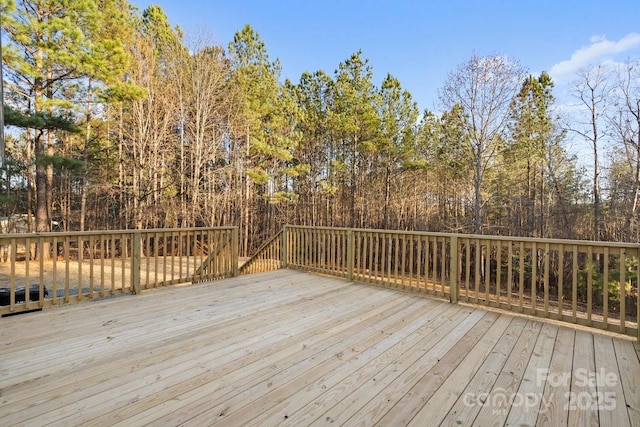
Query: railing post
x: 234, y: 252
x: 136, y: 247
x: 283, y: 248
x: 350, y: 254
x: 453, y: 270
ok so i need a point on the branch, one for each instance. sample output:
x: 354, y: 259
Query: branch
x: 40, y: 121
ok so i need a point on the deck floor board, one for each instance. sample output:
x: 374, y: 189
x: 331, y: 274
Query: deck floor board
x: 292, y: 348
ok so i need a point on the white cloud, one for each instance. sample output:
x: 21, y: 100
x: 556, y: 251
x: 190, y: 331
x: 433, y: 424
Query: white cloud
x: 599, y: 50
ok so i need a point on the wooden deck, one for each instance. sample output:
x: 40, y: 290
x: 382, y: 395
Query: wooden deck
x: 290, y: 348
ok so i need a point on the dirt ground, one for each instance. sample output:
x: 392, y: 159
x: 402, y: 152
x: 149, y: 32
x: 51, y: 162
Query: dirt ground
x: 99, y: 274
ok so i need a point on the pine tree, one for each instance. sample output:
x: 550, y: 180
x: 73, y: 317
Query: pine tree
x: 54, y: 46
x: 355, y: 125
x: 265, y: 130
x: 396, y: 145
x: 315, y: 183
x: 530, y: 133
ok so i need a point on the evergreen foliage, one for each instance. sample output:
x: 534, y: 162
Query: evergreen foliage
x: 119, y: 120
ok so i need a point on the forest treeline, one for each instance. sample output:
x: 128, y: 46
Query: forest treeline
x: 119, y: 121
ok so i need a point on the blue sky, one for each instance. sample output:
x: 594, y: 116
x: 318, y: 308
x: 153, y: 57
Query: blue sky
x: 419, y: 42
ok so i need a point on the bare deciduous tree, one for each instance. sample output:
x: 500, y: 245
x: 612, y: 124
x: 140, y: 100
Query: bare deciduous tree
x: 591, y: 88
x: 624, y: 120
x: 484, y: 87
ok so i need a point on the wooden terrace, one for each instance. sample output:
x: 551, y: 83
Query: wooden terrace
x: 291, y: 348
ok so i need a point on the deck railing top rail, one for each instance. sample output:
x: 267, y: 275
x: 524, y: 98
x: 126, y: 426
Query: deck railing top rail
x: 107, y: 232
x: 477, y: 236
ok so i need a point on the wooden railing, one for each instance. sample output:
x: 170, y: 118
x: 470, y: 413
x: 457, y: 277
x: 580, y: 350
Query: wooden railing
x: 587, y: 283
x: 267, y: 258
x: 40, y: 270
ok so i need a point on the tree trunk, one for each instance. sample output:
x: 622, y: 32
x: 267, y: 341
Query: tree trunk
x: 247, y: 200
x: 597, y: 209
x: 50, y: 151
x: 354, y: 186
x: 43, y: 221
x: 85, y: 158
x: 42, y: 212
x: 121, y: 200
x: 30, y: 184
x: 477, y: 184
x: 631, y: 213
x: 387, y: 196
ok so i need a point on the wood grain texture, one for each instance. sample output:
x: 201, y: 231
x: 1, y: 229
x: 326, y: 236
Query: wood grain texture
x: 291, y: 348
